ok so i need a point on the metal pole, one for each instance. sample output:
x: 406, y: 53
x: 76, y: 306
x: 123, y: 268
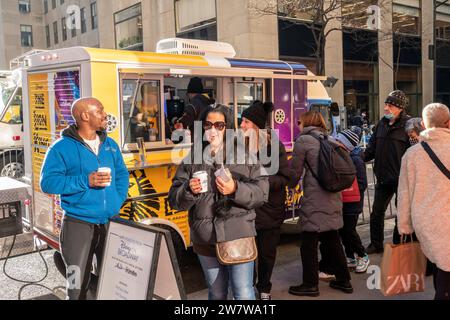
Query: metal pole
x: 434, y: 52
x: 435, y: 7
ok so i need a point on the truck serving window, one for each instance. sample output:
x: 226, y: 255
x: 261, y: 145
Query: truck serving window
x: 141, y: 103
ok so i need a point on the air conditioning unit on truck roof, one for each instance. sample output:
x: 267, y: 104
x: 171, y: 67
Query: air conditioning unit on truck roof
x: 195, y: 47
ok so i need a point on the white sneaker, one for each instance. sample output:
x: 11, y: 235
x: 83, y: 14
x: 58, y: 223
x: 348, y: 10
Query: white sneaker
x: 326, y: 277
x: 351, y: 263
x: 265, y: 296
x: 362, y: 264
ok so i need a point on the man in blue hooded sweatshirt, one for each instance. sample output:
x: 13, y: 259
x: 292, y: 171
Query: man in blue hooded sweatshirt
x: 88, y: 198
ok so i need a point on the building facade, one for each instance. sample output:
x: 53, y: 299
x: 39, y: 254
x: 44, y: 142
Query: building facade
x: 45, y: 24
x: 21, y: 28
x: 69, y: 23
x: 372, y: 46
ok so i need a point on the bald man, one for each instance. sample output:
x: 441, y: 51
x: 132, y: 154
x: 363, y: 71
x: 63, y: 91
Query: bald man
x: 89, y: 198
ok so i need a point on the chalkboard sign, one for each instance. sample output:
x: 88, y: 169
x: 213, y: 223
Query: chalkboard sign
x: 139, y: 263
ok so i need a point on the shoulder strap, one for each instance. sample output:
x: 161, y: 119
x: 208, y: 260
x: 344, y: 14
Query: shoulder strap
x: 435, y: 159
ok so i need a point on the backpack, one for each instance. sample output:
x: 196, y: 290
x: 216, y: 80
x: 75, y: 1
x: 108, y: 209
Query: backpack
x: 336, y: 171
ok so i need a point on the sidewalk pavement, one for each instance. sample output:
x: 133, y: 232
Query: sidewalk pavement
x: 288, y: 272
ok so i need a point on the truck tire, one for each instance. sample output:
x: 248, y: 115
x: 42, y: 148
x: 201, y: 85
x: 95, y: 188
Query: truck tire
x: 178, y: 243
x: 11, y: 165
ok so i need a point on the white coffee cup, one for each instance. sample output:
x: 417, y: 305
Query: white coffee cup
x: 203, y: 177
x: 106, y: 170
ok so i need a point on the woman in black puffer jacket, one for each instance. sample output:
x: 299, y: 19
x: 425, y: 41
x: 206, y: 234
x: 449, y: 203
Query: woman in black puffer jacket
x: 225, y: 212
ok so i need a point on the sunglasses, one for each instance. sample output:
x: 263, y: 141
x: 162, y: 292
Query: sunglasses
x: 217, y: 125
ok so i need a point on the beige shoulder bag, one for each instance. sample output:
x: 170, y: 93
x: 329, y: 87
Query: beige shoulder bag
x: 237, y: 251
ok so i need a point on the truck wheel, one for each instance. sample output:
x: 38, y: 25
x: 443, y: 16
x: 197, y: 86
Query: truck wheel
x: 178, y: 243
x: 11, y: 165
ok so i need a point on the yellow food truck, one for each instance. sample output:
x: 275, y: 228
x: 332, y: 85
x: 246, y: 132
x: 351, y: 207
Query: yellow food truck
x: 123, y: 81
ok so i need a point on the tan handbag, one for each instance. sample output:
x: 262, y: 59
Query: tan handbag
x: 237, y: 251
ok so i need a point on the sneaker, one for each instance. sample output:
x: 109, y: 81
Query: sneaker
x: 265, y: 296
x: 371, y: 249
x: 326, y: 277
x: 344, y: 286
x: 351, y: 263
x: 362, y: 264
x: 304, y: 291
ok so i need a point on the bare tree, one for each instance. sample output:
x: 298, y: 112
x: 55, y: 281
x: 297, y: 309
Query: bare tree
x: 318, y: 16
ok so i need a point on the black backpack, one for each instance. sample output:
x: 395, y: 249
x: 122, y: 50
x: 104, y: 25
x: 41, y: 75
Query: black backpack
x: 336, y: 171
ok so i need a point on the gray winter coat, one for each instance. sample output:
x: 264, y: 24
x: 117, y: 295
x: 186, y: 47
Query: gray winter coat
x: 208, y: 221
x: 320, y: 210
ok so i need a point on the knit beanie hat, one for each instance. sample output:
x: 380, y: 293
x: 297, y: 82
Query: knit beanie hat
x: 195, y: 86
x: 349, y: 139
x: 398, y: 99
x: 258, y: 113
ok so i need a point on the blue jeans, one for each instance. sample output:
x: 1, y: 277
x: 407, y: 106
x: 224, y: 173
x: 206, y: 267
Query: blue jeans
x: 219, y: 278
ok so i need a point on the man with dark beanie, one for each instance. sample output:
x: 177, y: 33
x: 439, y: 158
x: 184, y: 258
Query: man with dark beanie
x: 387, y: 146
x: 198, y: 103
x: 270, y: 216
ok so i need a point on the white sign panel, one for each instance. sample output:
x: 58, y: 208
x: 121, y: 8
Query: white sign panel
x: 127, y: 263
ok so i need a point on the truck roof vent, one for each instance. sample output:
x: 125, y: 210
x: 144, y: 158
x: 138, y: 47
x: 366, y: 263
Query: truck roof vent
x: 195, y: 47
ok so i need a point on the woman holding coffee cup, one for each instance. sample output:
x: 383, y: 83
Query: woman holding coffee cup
x: 221, y: 197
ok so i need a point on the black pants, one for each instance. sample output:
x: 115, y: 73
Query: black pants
x: 331, y: 249
x: 267, y: 242
x: 383, y: 196
x: 441, y: 284
x: 79, y: 242
x: 350, y: 237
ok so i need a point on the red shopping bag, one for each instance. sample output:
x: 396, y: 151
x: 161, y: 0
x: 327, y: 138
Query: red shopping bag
x: 403, y: 269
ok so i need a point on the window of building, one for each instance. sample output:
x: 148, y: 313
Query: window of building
x: 360, y: 14
x: 45, y: 6
x: 406, y: 19
x: 55, y: 32
x: 94, y: 16
x: 297, y: 9
x: 128, y: 28
x: 83, y: 20
x: 196, y: 19
x: 53, y: 4
x: 409, y: 80
x: 443, y: 22
x: 26, y: 35
x: 47, y: 35
x: 361, y: 90
x: 24, y: 6
x: 64, y: 29
x: 73, y: 23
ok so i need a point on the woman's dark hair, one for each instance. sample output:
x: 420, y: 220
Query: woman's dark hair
x: 223, y: 110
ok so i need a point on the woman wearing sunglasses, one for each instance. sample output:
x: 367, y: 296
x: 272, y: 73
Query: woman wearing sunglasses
x: 221, y: 210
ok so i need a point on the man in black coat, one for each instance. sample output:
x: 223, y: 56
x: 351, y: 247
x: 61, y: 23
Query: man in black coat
x: 387, y: 146
x: 198, y: 103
